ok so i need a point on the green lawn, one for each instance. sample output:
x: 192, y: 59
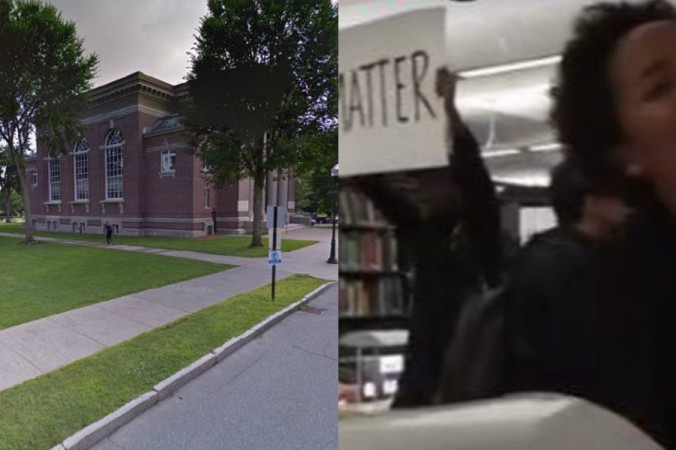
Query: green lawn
x: 40, y: 280
x: 219, y: 245
x: 42, y: 412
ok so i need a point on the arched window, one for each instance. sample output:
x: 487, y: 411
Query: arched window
x: 114, y: 165
x: 54, y: 169
x: 81, y: 165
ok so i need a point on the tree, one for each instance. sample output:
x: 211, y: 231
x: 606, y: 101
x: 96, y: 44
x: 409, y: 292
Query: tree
x: 318, y: 190
x: 263, y: 78
x: 44, y: 79
x: 9, y: 182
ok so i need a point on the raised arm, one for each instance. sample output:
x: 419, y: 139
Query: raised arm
x: 481, y: 213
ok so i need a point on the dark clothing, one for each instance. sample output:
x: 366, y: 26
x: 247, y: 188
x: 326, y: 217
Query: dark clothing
x: 442, y: 278
x: 480, y: 214
x: 583, y: 320
x: 450, y: 255
x: 109, y: 234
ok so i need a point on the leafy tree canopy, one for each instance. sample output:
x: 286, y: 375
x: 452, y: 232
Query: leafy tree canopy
x: 262, y: 83
x: 44, y: 79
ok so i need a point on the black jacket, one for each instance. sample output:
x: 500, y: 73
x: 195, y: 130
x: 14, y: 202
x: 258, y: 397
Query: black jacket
x: 447, y: 262
x: 585, y: 320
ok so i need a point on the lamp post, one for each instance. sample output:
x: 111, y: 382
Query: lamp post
x: 332, y: 258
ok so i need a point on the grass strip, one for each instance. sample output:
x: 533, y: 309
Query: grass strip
x: 42, y: 412
x: 45, y: 279
x: 217, y: 245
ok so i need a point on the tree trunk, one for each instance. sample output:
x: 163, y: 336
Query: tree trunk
x: 21, y: 167
x: 256, y: 237
x: 8, y: 206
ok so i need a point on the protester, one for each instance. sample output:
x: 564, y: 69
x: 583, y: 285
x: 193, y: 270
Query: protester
x: 608, y: 337
x: 448, y: 226
x: 109, y: 233
x: 558, y: 288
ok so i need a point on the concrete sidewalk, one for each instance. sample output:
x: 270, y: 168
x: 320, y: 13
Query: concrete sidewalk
x: 34, y: 348
x: 310, y: 260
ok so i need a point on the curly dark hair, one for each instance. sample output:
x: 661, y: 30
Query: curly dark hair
x: 567, y: 190
x: 584, y: 111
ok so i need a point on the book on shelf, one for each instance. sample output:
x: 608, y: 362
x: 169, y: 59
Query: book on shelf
x: 370, y: 211
x: 395, y: 295
x: 343, y: 305
x: 358, y: 209
x: 364, y: 252
x: 389, y: 252
x: 351, y: 298
x: 354, y: 249
x: 378, y: 262
x: 344, y: 207
x: 368, y: 251
x: 383, y: 296
x: 363, y: 300
x: 371, y: 256
x: 343, y: 252
x: 355, y: 205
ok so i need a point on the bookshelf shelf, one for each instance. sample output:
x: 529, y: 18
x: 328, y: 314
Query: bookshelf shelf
x: 387, y: 322
x: 372, y: 285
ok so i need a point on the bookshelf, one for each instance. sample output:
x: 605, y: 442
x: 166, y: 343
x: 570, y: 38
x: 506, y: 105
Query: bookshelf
x: 373, y: 284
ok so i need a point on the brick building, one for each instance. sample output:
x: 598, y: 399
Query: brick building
x: 130, y: 169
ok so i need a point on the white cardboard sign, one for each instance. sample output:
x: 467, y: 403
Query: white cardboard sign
x: 391, y: 119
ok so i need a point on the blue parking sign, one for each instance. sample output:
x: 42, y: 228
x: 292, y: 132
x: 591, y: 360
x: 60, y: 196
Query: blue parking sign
x: 274, y: 257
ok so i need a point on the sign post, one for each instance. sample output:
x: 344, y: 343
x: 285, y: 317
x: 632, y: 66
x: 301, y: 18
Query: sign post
x: 276, y: 217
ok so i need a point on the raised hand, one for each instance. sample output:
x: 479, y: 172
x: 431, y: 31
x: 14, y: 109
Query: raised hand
x: 446, y: 87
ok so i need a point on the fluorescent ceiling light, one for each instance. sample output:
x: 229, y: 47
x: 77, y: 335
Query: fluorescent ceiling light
x: 545, y: 147
x: 526, y: 180
x: 498, y: 153
x: 530, y: 98
x: 523, y: 65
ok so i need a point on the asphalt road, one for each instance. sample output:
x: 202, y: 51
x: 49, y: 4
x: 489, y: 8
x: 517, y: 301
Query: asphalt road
x: 278, y: 392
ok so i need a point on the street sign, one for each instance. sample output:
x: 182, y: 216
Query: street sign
x: 274, y: 257
x: 272, y: 239
x: 281, y: 216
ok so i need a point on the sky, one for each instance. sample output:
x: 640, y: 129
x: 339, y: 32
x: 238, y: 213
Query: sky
x: 151, y: 36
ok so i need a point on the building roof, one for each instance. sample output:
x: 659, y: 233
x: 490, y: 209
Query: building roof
x: 137, y: 82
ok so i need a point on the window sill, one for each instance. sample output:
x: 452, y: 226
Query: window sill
x: 79, y: 202
x: 171, y: 174
x: 118, y: 201
x: 48, y: 204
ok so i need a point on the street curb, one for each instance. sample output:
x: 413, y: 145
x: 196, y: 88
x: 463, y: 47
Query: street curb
x: 228, y: 348
x: 101, y: 429
x: 170, y: 385
x: 271, y: 321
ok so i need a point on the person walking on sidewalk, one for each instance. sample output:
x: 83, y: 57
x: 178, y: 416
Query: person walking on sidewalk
x: 109, y: 233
